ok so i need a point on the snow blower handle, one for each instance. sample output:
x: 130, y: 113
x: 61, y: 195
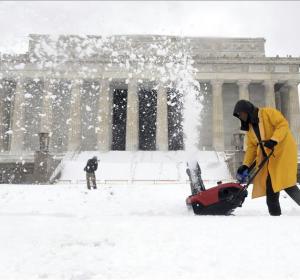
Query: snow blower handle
x: 252, y: 174
x: 259, y: 168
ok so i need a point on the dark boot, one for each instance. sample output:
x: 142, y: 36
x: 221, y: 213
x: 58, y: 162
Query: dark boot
x: 294, y: 193
x: 93, y: 179
x: 88, y: 180
x: 272, y: 199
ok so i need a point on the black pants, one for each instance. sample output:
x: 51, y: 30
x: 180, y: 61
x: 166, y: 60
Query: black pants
x: 91, y: 180
x: 273, y: 198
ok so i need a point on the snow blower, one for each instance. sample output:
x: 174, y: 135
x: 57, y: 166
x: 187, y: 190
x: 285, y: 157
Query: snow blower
x: 225, y: 197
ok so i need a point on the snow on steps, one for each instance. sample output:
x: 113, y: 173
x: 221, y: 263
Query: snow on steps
x: 141, y: 166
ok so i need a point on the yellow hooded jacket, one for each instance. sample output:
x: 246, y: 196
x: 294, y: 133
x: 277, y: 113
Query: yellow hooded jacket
x: 282, y: 165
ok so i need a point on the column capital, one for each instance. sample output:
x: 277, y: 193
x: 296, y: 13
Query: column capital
x: 104, y: 84
x: 50, y: 80
x: 217, y: 82
x: 21, y: 83
x: 133, y: 80
x: 132, y: 84
x: 269, y: 82
x: 106, y: 79
x: 293, y: 83
x: 76, y: 82
x: 160, y: 86
x: 243, y: 82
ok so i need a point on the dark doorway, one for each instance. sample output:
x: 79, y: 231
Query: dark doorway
x: 119, y: 119
x: 147, y: 119
x: 175, y: 119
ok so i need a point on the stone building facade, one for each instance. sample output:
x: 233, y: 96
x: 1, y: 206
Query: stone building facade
x: 94, y: 93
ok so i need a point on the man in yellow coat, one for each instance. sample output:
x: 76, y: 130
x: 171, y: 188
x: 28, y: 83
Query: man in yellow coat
x: 268, y: 130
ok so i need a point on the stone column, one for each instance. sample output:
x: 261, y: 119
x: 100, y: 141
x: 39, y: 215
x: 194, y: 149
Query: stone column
x: 278, y: 100
x: 46, y: 118
x: 218, y: 126
x: 162, y: 119
x: 269, y: 93
x: 18, y: 119
x: 74, y: 137
x: 104, y: 129
x: 2, y: 130
x: 243, y: 89
x: 294, y: 110
x: 282, y: 103
x: 132, y: 122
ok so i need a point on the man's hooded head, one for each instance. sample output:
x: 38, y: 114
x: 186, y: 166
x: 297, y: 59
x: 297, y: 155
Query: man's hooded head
x: 245, y: 107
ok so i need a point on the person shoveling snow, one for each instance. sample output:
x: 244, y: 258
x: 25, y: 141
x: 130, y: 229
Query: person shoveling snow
x: 90, y: 168
x: 268, y: 130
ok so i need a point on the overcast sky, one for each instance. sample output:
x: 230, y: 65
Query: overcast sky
x: 278, y: 22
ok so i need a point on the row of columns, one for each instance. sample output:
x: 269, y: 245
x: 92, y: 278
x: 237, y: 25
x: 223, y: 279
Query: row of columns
x: 104, y: 133
x: 293, y: 107
x: 132, y: 121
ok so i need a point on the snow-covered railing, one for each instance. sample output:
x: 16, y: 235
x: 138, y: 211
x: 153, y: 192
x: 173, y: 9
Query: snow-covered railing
x: 138, y: 182
x: 140, y: 167
x: 16, y: 157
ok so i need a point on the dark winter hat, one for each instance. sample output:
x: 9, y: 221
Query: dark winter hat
x: 247, y: 107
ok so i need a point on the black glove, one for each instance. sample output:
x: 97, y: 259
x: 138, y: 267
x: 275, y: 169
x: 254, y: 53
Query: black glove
x: 242, y: 168
x: 270, y: 144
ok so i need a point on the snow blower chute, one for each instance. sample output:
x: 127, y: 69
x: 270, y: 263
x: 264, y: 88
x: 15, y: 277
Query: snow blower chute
x: 224, y: 198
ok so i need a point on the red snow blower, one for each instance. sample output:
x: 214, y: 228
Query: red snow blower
x: 224, y: 198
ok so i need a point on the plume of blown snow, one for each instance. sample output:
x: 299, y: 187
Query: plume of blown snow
x: 189, y: 89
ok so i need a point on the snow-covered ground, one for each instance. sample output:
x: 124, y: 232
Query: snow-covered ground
x: 140, y: 232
